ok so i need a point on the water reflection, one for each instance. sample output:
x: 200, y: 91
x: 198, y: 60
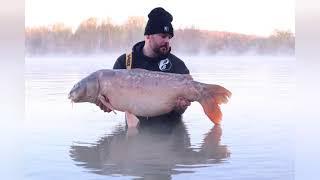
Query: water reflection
x: 157, y: 150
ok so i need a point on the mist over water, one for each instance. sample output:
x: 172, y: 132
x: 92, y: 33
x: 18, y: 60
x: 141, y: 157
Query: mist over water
x: 255, y: 140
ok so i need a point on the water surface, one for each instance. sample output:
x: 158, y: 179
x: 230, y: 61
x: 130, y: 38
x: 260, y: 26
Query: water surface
x: 255, y: 140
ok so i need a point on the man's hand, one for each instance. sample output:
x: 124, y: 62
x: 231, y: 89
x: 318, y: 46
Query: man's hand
x: 181, y: 105
x: 103, y: 107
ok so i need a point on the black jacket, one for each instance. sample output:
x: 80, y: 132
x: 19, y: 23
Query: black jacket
x: 169, y: 63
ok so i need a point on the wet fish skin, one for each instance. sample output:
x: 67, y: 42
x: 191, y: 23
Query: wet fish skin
x: 148, y: 93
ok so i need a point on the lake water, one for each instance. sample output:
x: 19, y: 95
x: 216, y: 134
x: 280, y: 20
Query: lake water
x: 79, y: 141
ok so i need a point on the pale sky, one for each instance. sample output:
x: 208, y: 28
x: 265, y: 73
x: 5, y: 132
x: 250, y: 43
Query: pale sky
x: 259, y: 17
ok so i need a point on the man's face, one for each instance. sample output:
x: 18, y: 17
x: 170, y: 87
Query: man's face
x: 160, y: 43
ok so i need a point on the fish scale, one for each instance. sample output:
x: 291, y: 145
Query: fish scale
x: 148, y: 93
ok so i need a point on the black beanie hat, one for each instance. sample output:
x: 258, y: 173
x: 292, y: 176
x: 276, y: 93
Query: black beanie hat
x: 159, y: 22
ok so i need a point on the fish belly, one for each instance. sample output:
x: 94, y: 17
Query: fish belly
x: 143, y: 102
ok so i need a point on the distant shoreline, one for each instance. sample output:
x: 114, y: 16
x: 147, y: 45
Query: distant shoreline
x: 92, y: 37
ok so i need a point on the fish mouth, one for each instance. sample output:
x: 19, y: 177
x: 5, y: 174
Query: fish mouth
x: 74, y: 98
x: 71, y: 97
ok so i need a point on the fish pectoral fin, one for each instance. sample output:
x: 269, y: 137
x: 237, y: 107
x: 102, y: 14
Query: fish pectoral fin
x: 131, y: 119
x: 107, y: 104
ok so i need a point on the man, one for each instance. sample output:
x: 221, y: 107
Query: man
x: 154, y: 54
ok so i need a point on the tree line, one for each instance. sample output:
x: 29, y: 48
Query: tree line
x: 103, y: 36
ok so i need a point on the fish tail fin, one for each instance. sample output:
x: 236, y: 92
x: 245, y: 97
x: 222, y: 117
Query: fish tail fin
x: 211, y: 97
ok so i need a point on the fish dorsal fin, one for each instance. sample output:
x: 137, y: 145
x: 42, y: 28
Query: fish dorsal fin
x: 188, y: 76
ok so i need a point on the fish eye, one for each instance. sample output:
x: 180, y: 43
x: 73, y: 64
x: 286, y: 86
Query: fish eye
x: 76, y: 85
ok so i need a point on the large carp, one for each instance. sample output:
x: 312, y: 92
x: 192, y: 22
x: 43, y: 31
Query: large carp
x: 148, y: 93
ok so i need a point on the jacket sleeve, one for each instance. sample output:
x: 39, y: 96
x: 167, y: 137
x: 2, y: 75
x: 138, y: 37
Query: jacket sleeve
x: 179, y: 66
x: 184, y: 69
x: 120, y: 62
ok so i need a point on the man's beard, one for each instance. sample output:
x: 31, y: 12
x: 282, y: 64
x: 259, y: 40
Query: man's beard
x: 162, y: 50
